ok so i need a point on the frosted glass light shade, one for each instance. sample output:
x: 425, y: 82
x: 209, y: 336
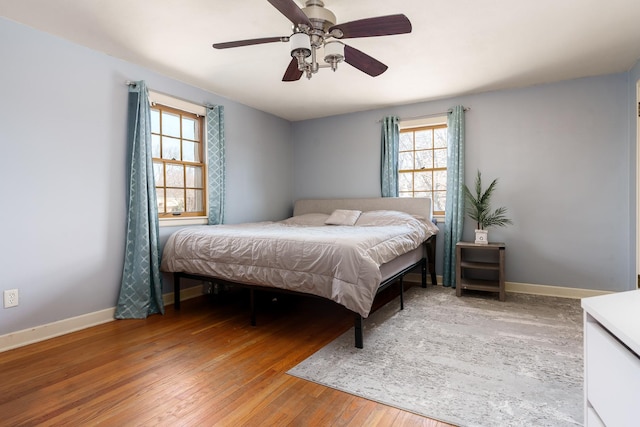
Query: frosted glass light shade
x: 333, y: 52
x: 300, y: 45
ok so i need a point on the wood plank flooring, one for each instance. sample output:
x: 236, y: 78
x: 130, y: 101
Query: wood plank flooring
x: 201, y: 366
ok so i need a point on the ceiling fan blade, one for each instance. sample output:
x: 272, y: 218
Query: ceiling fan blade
x: 293, y: 73
x: 363, y: 62
x: 372, y: 27
x: 290, y: 9
x: 250, y: 42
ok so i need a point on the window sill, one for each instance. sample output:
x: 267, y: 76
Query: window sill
x: 192, y: 220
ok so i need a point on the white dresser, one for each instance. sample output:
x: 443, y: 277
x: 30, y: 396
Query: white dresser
x: 612, y: 359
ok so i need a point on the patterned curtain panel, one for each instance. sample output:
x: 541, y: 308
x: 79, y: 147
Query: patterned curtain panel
x: 454, y: 209
x: 389, y: 156
x: 215, y: 163
x: 141, y: 286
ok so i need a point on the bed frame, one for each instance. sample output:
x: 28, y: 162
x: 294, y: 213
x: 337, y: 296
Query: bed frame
x: 414, y: 206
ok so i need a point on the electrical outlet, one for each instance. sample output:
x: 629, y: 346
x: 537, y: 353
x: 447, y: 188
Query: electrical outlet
x: 10, y: 298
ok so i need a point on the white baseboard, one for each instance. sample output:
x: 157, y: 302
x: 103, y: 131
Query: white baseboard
x: 527, y: 288
x: 552, y: 291
x: 417, y: 278
x: 185, y: 294
x: 55, y: 329
x: 72, y: 324
x: 65, y: 326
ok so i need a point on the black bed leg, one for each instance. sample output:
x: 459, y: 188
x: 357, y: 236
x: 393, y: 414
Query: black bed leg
x: 176, y: 291
x: 357, y: 325
x: 401, y: 294
x: 253, y: 307
x: 431, y: 259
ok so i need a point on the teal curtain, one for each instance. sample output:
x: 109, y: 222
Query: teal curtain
x: 389, y: 156
x: 141, y: 285
x: 215, y: 163
x: 454, y: 209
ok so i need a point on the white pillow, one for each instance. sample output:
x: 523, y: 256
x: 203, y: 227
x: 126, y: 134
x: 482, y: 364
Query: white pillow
x: 384, y: 217
x: 310, y: 220
x: 343, y: 217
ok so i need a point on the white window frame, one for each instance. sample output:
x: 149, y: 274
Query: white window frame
x: 422, y: 122
x: 180, y: 104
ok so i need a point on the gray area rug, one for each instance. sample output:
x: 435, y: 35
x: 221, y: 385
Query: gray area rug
x: 468, y: 361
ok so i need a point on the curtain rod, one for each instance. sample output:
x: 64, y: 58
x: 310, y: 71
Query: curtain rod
x: 426, y: 116
x: 207, y: 106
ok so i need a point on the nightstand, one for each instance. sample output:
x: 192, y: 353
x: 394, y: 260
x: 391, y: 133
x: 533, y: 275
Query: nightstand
x: 488, y: 262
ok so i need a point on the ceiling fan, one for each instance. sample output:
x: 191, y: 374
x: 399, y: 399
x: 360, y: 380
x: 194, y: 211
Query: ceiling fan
x: 314, y: 27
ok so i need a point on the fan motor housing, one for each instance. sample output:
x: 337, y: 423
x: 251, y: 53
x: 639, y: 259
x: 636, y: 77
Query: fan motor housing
x: 321, y: 18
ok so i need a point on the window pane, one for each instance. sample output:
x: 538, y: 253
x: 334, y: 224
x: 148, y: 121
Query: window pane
x: 170, y: 124
x: 441, y: 138
x: 194, y: 176
x: 160, y: 200
x: 158, y: 176
x: 155, y: 146
x: 440, y: 160
x: 155, y: 121
x: 190, y: 151
x: 170, y: 148
x: 424, y: 159
x: 175, y: 200
x: 439, y: 201
x: 406, y: 141
x: 194, y: 201
x: 423, y: 181
x: 175, y: 175
x: 405, y: 181
x: 405, y: 161
x: 423, y: 139
x: 424, y: 151
x: 190, y: 129
x: 177, y: 150
x: 440, y: 178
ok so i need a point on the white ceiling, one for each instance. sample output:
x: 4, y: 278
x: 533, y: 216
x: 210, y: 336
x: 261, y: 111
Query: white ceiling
x: 456, y: 47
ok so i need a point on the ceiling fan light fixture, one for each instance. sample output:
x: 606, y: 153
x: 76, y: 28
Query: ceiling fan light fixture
x: 333, y: 53
x: 300, y: 45
x: 313, y: 28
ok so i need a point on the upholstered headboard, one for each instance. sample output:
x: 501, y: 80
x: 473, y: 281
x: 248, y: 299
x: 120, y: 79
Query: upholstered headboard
x: 414, y: 206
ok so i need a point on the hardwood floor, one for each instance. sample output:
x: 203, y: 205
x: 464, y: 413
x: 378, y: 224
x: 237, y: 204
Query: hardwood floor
x: 202, y: 365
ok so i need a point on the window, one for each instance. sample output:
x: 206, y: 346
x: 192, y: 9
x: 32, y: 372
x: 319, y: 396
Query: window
x: 422, y: 164
x: 178, y: 162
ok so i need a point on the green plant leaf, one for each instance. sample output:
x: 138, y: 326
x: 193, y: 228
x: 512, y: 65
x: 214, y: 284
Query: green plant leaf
x: 478, y: 206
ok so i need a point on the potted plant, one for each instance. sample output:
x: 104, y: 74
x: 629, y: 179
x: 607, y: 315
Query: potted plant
x: 479, y: 209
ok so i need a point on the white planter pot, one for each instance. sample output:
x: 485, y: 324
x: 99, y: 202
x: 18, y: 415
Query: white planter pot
x: 482, y: 237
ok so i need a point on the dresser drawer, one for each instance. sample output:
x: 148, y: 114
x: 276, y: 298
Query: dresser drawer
x: 612, y: 377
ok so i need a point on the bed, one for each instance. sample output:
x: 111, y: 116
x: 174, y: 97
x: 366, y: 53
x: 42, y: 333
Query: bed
x: 345, y: 250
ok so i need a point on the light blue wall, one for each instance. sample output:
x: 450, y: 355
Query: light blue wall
x: 634, y: 138
x: 560, y: 152
x: 62, y: 179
